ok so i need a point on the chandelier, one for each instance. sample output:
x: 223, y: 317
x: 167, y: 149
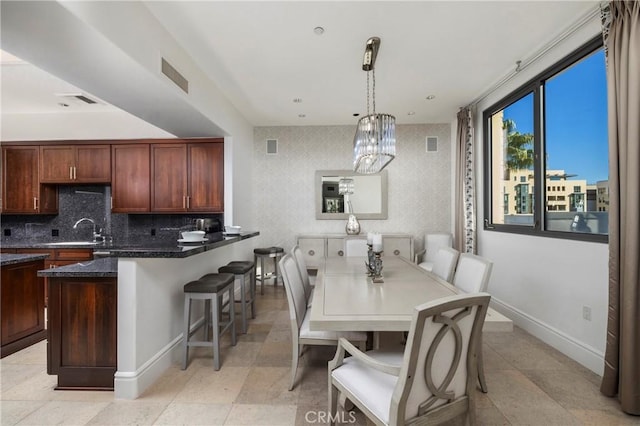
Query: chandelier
x: 374, y: 144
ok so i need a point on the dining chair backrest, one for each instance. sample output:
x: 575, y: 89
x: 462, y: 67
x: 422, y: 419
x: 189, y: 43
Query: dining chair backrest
x: 472, y: 273
x: 434, y: 242
x: 294, y: 289
x: 439, y: 363
x: 445, y: 263
x: 355, y: 247
x: 297, y: 254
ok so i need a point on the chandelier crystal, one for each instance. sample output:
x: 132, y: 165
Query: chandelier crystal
x: 374, y: 144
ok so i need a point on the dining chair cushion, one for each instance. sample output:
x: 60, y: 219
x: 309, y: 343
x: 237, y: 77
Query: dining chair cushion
x: 307, y: 333
x: 374, y: 388
x: 445, y: 263
x: 297, y: 254
x: 433, y: 243
x: 472, y: 273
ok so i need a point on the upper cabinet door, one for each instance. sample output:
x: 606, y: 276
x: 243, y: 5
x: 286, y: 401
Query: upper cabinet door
x: 22, y: 192
x: 130, y: 184
x: 75, y: 164
x: 206, y: 177
x: 57, y: 163
x: 93, y: 164
x: 169, y: 178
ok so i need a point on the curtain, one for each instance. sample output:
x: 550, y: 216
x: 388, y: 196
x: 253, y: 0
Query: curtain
x: 622, y: 357
x: 465, y: 185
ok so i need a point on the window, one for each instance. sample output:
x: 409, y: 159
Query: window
x: 551, y: 133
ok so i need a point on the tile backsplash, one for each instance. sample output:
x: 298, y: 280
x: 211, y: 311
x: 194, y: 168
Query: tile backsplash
x: 78, y: 201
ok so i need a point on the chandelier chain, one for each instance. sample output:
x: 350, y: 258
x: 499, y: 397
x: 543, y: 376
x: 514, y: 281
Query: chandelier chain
x: 374, y: 90
x: 368, y: 100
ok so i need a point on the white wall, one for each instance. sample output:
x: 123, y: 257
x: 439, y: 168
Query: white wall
x: 419, y: 193
x: 543, y: 283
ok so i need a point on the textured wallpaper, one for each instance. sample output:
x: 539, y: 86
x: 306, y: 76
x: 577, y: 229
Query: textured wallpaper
x: 419, y: 181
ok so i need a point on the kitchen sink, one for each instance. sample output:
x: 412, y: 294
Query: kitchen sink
x: 73, y: 243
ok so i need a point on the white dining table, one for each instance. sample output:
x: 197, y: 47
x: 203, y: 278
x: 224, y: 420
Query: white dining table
x: 346, y: 299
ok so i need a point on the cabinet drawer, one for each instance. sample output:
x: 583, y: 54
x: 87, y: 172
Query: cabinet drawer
x: 313, y: 250
x: 335, y: 247
x: 74, y: 254
x: 397, y: 246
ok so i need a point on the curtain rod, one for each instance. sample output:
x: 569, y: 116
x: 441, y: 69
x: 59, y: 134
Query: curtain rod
x: 522, y: 64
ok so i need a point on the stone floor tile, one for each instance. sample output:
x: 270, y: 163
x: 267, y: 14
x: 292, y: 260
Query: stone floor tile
x: 123, y: 412
x: 208, y: 386
x: 64, y: 413
x: 268, y: 385
x: 178, y: 413
x: 255, y: 415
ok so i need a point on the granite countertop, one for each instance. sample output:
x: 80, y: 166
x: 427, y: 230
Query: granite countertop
x: 146, y: 249
x: 12, y: 259
x: 106, y: 267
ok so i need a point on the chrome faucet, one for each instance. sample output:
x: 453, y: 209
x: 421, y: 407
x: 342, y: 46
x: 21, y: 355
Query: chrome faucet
x: 96, y: 231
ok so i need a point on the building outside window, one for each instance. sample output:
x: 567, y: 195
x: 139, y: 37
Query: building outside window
x: 551, y: 133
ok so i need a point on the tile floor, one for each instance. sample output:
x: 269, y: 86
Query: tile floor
x: 529, y: 384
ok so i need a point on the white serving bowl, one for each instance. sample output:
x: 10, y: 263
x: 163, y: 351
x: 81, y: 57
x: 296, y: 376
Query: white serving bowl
x: 193, y: 235
x: 232, y: 229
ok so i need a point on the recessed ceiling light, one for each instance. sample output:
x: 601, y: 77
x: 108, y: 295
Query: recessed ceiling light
x: 62, y: 104
x: 297, y: 100
x: 318, y: 30
x: 302, y: 115
x: 411, y: 113
x: 430, y: 97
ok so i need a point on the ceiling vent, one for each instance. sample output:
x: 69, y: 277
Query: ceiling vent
x: 77, y: 99
x: 175, y: 76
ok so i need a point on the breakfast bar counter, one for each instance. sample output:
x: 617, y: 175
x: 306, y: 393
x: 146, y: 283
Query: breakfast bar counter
x: 139, y: 326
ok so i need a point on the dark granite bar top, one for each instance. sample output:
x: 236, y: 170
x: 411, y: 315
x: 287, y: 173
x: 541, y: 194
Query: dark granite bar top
x: 147, y: 249
x: 106, y: 267
x: 12, y: 259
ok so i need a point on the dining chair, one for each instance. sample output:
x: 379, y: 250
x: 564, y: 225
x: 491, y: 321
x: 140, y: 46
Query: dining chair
x: 444, y: 263
x: 432, y: 243
x: 297, y: 254
x: 301, y: 334
x: 355, y: 247
x: 472, y: 276
x: 432, y: 381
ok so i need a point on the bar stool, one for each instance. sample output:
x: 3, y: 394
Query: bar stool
x: 240, y: 269
x: 264, y: 253
x: 211, y: 291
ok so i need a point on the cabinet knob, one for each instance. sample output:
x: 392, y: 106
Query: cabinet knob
x: 340, y: 253
x: 396, y: 252
x: 312, y: 253
x: 70, y: 173
x: 35, y: 203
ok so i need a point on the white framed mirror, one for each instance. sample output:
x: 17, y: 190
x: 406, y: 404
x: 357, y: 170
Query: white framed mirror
x: 368, y: 200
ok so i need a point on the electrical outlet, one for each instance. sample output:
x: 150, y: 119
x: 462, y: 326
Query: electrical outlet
x: 55, y: 233
x: 153, y: 232
x: 586, y: 313
x: 7, y: 232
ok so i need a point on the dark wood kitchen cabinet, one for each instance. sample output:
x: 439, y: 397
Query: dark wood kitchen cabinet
x: 58, y: 257
x: 22, y: 300
x: 206, y: 177
x: 82, y: 332
x: 130, y: 178
x: 169, y: 178
x: 22, y: 192
x: 187, y: 177
x: 75, y: 163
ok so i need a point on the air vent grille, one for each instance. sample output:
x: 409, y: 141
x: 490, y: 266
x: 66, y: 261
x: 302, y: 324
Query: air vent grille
x: 272, y: 146
x: 432, y: 144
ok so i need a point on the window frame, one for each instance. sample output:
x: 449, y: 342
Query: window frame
x: 536, y: 87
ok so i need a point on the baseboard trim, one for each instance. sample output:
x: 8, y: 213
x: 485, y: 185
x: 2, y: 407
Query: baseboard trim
x: 131, y: 384
x: 574, y: 349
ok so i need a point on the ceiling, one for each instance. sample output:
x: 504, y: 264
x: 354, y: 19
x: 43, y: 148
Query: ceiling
x: 264, y: 55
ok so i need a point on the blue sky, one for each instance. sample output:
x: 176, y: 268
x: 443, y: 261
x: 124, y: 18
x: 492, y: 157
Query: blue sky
x: 576, y: 119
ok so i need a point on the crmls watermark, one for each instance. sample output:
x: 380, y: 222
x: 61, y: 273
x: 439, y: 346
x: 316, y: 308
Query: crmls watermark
x: 326, y: 417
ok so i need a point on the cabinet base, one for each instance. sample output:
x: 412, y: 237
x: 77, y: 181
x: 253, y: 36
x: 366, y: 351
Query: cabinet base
x: 18, y: 345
